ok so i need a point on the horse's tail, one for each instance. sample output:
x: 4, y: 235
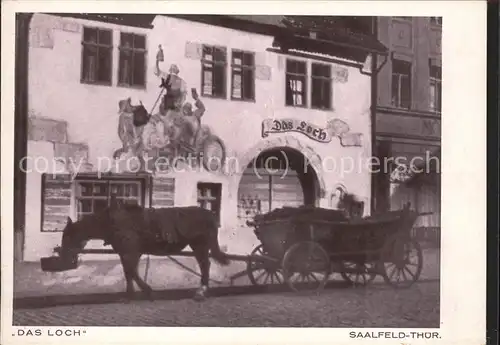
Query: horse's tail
x: 215, y: 250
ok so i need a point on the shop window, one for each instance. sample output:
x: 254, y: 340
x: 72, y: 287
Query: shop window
x: 321, y: 86
x: 209, y: 197
x: 296, y: 74
x: 56, y: 201
x: 132, y: 60
x: 95, y: 195
x: 97, y: 49
x: 401, y: 84
x: 213, y: 66
x: 243, y: 76
x: 435, y: 88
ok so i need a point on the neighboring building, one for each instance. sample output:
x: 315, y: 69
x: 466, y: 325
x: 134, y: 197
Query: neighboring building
x: 267, y: 92
x: 408, y: 119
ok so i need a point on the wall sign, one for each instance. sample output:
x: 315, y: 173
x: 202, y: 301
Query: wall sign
x: 334, y: 128
x: 294, y: 125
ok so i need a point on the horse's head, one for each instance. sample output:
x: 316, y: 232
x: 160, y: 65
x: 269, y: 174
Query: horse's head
x: 351, y: 205
x: 125, y: 106
x: 73, y: 240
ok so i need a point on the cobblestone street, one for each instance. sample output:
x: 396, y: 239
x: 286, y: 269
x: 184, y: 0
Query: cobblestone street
x: 375, y: 306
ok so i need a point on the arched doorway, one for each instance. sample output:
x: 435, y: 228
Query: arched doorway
x: 277, y: 177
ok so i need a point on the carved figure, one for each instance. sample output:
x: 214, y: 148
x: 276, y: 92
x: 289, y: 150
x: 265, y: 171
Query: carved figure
x: 175, y: 130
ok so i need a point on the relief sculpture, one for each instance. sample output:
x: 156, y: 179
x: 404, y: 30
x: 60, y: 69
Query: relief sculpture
x: 175, y: 134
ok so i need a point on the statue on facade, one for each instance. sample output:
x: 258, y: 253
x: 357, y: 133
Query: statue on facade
x: 174, y: 131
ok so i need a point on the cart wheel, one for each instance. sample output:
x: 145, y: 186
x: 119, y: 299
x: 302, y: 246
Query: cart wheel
x: 306, y: 266
x: 263, y: 273
x: 358, y: 273
x: 402, y: 262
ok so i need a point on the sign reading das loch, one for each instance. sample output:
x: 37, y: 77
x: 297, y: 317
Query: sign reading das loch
x: 293, y: 125
x: 334, y: 128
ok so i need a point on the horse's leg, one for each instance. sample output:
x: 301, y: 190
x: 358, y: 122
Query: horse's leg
x: 128, y: 277
x: 146, y: 289
x: 131, y: 264
x: 200, y: 251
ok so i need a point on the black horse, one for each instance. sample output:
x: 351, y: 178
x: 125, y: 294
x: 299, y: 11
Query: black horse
x: 133, y: 231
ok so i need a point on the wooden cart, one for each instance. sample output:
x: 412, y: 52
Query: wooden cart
x: 304, y: 246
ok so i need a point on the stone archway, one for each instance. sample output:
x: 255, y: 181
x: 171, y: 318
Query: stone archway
x: 287, y: 141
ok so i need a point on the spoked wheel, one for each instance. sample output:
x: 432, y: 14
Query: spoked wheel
x: 262, y: 272
x: 306, y: 267
x: 402, y: 262
x: 358, y: 273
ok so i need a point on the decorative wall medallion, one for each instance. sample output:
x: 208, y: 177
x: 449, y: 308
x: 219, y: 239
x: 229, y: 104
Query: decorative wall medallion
x: 340, y: 74
x: 42, y: 37
x: 193, y: 50
x: 262, y: 72
x: 402, y: 32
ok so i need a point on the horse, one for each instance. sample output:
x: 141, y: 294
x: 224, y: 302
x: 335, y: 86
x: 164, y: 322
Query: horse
x: 131, y: 123
x: 132, y: 231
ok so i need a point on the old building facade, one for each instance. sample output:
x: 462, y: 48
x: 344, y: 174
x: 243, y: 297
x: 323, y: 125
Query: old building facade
x: 408, y: 115
x: 287, y: 118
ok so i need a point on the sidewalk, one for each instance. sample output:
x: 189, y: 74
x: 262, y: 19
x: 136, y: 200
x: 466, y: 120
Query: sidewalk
x: 97, y: 277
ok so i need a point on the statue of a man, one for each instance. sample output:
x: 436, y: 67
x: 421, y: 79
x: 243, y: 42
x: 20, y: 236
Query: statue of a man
x: 175, y: 85
x: 192, y: 118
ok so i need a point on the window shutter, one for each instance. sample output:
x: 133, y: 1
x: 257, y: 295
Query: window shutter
x: 193, y: 50
x: 56, y: 201
x: 163, y: 191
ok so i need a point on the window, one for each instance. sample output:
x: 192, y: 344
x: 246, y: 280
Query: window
x: 209, y: 197
x: 213, y: 78
x: 97, y: 46
x: 132, y: 60
x: 243, y: 76
x: 95, y: 195
x: 321, y: 86
x: 436, y: 20
x: 296, y: 73
x: 401, y: 84
x: 435, y: 89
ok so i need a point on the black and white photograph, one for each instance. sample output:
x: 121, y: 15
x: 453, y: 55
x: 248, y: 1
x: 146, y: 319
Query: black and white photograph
x: 180, y: 169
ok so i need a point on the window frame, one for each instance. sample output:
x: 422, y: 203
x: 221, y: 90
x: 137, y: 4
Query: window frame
x: 438, y: 91
x: 110, y: 47
x: 436, y: 21
x: 323, y: 79
x: 213, y: 63
x: 133, y: 51
x: 200, y: 186
x: 243, y: 67
x: 398, y: 102
x: 305, y: 89
x: 77, y: 194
